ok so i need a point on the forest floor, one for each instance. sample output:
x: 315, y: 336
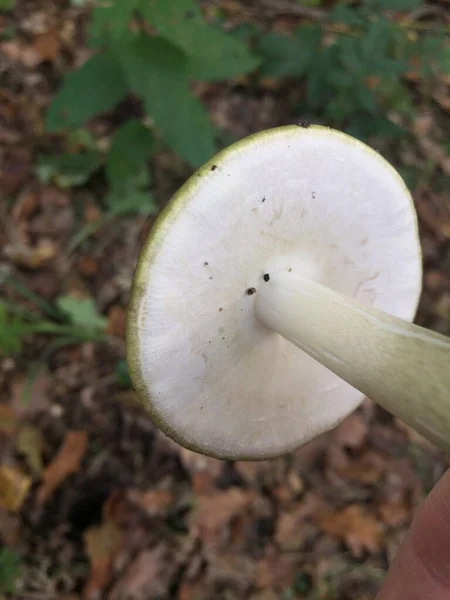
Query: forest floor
x: 97, y: 503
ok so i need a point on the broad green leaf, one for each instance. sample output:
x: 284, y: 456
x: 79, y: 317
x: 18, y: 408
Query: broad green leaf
x: 157, y: 71
x: 349, y: 51
x: 7, y: 4
x: 290, y: 54
x: 206, y: 69
x: 214, y: 54
x: 366, y: 98
x: 123, y: 374
x: 131, y: 200
x: 82, y: 312
x: 376, y: 38
x: 400, y: 5
x: 67, y: 170
x: 95, y: 87
x: 10, y: 570
x: 341, y: 13
x: 12, y: 330
x: 110, y: 21
x: 131, y: 146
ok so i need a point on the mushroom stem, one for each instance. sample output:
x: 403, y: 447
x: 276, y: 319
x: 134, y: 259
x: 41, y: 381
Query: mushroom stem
x: 403, y: 367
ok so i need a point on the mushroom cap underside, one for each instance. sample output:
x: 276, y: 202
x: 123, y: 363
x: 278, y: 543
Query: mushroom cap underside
x: 312, y: 201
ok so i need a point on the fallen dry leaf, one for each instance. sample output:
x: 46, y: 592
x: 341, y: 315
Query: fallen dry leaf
x: 8, y: 419
x: 294, y: 527
x: 153, y: 502
x: 277, y: 571
x: 14, y: 170
x: 359, y: 530
x: 47, y: 44
x: 233, y: 571
x: 20, y: 52
x: 9, y: 528
x: 149, y: 577
x: 213, y: 514
x: 32, y: 257
x: 393, y: 513
x: 202, y: 469
x: 30, y: 443
x: 101, y: 544
x: 37, y: 401
x: 117, y: 319
x: 14, y: 487
x: 351, y: 433
x: 66, y: 462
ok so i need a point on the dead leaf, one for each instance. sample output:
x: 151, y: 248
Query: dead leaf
x: 359, y: 530
x: 32, y: 257
x: 19, y: 52
x: 87, y: 266
x: 14, y: 487
x: 8, y: 419
x: 25, y: 206
x: 153, y: 502
x: 294, y: 527
x: 202, y: 469
x: 213, y: 514
x: 47, y: 44
x: 149, y: 577
x: 277, y: 571
x: 117, y: 319
x: 14, y: 170
x: 92, y: 213
x: 38, y: 400
x: 30, y: 443
x: 234, y: 572
x: 393, y: 513
x: 66, y: 462
x: 9, y: 528
x: 351, y: 433
x: 101, y: 544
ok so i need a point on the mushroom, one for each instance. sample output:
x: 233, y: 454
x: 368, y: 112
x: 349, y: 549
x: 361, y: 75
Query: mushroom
x: 275, y: 291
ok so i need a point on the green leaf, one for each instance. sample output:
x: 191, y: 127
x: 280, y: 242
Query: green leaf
x: 157, y: 71
x: 10, y: 568
x: 123, y: 374
x: 95, y: 87
x: 67, y: 170
x: 208, y: 69
x: 7, y: 4
x: 342, y: 13
x: 214, y: 54
x: 400, y: 5
x: 132, y: 197
x: 290, y: 54
x: 376, y: 38
x: 131, y: 146
x: 12, y: 330
x: 110, y: 21
x: 82, y: 312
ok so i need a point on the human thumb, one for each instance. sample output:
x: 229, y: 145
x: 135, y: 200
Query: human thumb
x: 421, y: 569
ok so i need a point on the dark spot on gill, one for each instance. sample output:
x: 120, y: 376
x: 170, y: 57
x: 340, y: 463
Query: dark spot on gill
x: 266, y: 277
x: 251, y: 291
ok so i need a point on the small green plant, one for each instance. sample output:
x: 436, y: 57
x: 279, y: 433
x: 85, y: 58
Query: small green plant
x: 354, y: 63
x: 68, y: 321
x: 10, y: 569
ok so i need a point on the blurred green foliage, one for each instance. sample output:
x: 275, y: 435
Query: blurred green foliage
x: 352, y: 64
x: 10, y: 569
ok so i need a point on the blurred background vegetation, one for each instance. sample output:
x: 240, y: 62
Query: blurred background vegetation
x: 106, y: 107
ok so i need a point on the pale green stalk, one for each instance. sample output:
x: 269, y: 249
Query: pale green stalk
x: 400, y: 366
